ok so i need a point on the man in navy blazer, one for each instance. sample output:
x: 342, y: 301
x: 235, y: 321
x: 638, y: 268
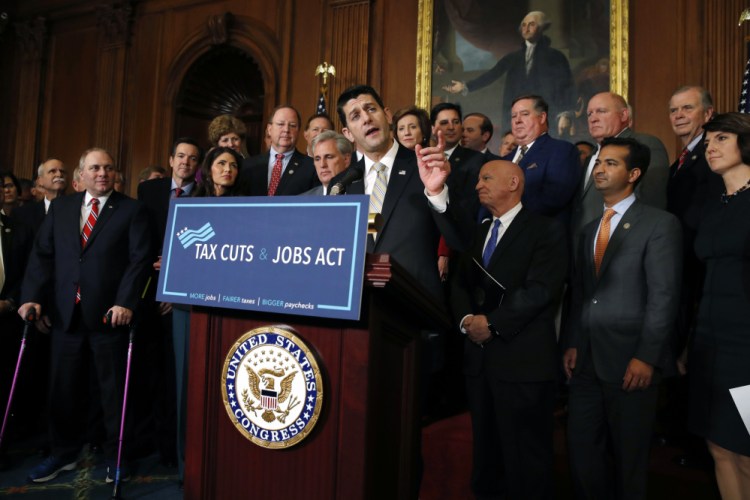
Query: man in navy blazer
x: 626, y: 290
x: 551, y: 167
x: 104, y: 276
x: 297, y: 169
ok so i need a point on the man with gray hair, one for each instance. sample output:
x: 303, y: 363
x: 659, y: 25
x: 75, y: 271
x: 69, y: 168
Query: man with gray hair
x: 535, y: 68
x: 332, y: 154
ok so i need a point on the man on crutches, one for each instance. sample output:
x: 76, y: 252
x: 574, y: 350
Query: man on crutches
x: 93, y: 254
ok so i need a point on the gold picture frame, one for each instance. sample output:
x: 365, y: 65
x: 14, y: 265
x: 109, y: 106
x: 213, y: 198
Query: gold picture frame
x: 618, y: 50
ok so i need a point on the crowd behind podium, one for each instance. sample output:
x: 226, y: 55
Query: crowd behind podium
x: 594, y: 270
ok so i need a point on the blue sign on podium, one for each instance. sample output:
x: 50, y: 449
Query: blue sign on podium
x: 288, y: 254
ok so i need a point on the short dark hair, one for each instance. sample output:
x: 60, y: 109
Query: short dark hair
x: 540, y: 105
x: 584, y: 143
x: 734, y: 123
x: 639, y: 155
x: 206, y: 187
x: 486, y: 125
x: 352, y: 93
x: 12, y: 178
x: 318, y: 115
x: 422, y: 119
x: 187, y: 140
x: 284, y: 106
x: 442, y: 106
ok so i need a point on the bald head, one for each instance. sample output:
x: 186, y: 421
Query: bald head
x: 500, y: 186
x: 608, y: 115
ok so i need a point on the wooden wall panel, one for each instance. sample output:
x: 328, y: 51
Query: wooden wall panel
x: 726, y: 54
x: 654, y: 49
x: 67, y: 127
x: 349, y: 23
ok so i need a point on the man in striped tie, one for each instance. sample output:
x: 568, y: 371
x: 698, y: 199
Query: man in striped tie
x: 93, y: 251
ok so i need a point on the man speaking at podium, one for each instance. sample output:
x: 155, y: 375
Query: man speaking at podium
x: 391, y: 178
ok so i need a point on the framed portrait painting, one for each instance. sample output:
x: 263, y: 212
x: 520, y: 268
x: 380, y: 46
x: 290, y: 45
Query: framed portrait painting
x: 483, y: 54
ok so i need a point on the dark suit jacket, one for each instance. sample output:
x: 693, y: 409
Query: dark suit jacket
x: 465, y: 166
x: 531, y: 262
x: 550, y: 76
x: 408, y: 233
x: 111, y: 269
x: 628, y: 311
x: 298, y: 177
x: 552, y: 169
x: 11, y: 260
x: 490, y: 156
x: 155, y: 195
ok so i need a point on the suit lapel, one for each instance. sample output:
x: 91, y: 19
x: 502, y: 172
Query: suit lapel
x: 288, y: 176
x: 401, y: 172
x: 623, y: 229
x: 105, y: 213
x: 511, y: 233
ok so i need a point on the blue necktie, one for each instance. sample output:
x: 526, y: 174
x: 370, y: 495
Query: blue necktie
x: 490, y: 248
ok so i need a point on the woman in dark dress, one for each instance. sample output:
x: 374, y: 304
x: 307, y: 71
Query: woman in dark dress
x: 720, y: 356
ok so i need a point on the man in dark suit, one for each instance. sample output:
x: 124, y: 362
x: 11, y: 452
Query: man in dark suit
x: 504, y: 296
x: 332, y: 154
x: 408, y: 232
x: 551, y: 167
x: 465, y: 163
x: 52, y: 178
x: 168, y: 328
x: 626, y: 290
x: 283, y: 170
x: 536, y: 68
x: 477, y: 132
x: 93, y: 249
x: 609, y: 116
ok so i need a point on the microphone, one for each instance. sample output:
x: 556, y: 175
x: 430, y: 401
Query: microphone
x: 351, y: 175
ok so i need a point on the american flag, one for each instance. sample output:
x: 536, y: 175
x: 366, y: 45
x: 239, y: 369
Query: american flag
x: 744, y: 105
x: 322, y: 105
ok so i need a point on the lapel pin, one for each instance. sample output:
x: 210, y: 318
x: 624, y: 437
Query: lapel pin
x: 626, y: 225
x: 402, y: 172
x: 291, y: 172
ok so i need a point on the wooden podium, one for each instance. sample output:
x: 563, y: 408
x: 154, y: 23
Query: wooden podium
x: 364, y: 444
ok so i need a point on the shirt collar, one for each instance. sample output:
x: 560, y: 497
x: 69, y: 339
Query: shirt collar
x: 186, y: 188
x: 623, y: 205
x: 694, y: 142
x: 102, y: 199
x: 387, y: 160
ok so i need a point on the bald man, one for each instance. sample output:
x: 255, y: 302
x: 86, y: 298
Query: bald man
x: 518, y: 259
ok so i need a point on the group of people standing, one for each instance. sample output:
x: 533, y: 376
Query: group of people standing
x: 496, y: 239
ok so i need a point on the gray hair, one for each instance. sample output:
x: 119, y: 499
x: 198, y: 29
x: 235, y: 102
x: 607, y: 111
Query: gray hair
x: 543, y: 22
x: 82, y: 161
x: 706, y: 100
x: 342, y: 143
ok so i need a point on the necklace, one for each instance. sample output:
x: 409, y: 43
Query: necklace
x: 725, y: 198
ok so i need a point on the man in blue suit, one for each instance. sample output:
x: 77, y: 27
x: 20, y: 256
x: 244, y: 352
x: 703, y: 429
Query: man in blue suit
x: 551, y: 167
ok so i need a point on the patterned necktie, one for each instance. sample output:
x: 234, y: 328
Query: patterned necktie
x: 681, y: 160
x: 521, y: 154
x: 489, y: 249
x: 178, y: 192
x: 276, y: 174
x: 378, y: 190
x: 602, y: 239
x: 86, y: 232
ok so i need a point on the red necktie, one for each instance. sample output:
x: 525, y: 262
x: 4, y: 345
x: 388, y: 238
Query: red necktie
x: 275, y: 174
x: 178, y: 192
x: 87, y: 228
x: 681, y: 160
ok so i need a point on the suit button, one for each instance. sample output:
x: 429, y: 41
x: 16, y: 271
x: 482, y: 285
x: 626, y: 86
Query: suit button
x: 594, y: 301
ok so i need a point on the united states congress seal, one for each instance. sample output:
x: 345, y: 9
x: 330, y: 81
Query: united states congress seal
x: 272, y: 387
